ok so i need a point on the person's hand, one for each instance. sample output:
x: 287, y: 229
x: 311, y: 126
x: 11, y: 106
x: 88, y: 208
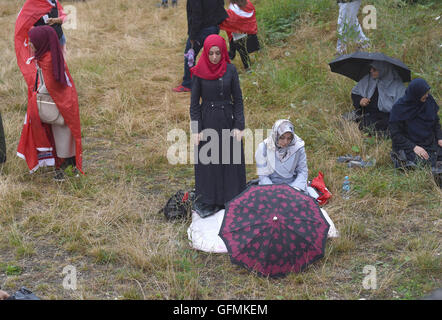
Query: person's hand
x: 3, y: 295
x: 238, y: 134
x: 439, y: 142
x: 364, y: 102
x: 52, y: 21
x: 421, y: 152
x: 197, y: 137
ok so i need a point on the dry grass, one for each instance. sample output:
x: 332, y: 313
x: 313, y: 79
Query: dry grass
x: 125, y: 57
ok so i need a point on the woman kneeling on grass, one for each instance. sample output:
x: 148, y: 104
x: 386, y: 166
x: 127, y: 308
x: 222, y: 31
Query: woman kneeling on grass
x: 281, y: 157
x: 415, y: 128
x: 45, y: 142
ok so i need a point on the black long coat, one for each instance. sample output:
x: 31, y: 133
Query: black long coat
x: 218, y: 105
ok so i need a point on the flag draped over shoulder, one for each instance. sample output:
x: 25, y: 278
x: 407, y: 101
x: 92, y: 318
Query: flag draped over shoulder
x: 240, y: 20
x: 36, y: 144
x: 30, y: 13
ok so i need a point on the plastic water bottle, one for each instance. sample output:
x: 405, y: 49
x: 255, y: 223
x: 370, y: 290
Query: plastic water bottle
x: 346, y: 188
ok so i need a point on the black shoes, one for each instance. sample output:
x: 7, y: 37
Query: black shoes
x: 59, y: 175
x: 204, y: 210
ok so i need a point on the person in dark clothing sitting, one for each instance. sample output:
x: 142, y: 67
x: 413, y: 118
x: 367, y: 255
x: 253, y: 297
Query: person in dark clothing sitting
x: 415, y: 128
x: 374, y: 96
x: 203, y: 19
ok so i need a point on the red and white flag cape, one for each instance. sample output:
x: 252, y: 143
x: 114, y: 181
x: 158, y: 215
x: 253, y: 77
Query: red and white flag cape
x: 240, y: 20
x: 36, y: 143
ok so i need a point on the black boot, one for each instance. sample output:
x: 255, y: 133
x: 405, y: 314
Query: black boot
x: 232, y: 50
x: 204, y: 210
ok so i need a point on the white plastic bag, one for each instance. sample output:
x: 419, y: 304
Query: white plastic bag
x: 332, y: 232
x: 203, y: 233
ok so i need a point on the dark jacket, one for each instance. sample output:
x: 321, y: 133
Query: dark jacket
x: 224, y: 91
x: 402, y: 141
x: 202, y: 14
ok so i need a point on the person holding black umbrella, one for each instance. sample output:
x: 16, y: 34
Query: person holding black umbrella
x: 374, y: 96
x: 415, y: 128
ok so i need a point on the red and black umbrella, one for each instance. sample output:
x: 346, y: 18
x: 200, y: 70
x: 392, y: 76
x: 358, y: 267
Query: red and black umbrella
x: 274, y: 229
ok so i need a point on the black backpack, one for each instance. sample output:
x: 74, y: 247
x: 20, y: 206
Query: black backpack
x: 179, y: 205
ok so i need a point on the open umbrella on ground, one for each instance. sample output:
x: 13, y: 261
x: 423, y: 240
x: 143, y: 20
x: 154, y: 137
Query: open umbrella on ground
x: 274, y: 229
x: 357, y: 65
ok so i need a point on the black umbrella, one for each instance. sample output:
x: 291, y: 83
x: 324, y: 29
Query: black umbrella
x: 357, y: 65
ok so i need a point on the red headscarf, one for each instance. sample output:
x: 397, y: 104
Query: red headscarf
x: 44, y: 39
x: 206, y: 69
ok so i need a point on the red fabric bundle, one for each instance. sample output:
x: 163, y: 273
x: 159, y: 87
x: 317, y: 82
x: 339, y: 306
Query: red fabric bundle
x: 240, y: 20
x: 319, y: 185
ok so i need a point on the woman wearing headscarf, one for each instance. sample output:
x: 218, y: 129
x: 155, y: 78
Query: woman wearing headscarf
x: 374, y: 96
x: 415, y: 127
x: 44, y: 143
x: 217, y: 115
x: 281, y: 157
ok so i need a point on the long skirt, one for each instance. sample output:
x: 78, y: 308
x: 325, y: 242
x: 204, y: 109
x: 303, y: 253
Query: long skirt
x: 220, y: 172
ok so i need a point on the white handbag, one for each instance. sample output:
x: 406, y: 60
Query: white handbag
x: 47, y: 109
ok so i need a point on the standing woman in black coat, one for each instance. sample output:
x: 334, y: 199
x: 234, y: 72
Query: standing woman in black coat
x: 217, y: 115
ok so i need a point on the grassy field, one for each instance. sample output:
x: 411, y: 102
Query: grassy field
x: 125, y: 56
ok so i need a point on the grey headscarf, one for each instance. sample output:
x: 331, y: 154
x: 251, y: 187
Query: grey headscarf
x: 389, y: 84
x: 274, y: 151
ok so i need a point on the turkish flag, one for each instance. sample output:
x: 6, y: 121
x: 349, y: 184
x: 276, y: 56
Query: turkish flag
x: 240, y: 20
x: 36, y: 143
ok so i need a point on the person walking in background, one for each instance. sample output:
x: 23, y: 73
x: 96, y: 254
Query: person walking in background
x: 216, y: 107
x: 348, y: 25
x: 51, y: 136
x: 241, y: 29
x: 203, y: 19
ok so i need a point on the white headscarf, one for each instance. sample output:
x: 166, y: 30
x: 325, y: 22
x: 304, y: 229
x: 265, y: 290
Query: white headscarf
x: 273, y: 150
x: 389, y: 84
